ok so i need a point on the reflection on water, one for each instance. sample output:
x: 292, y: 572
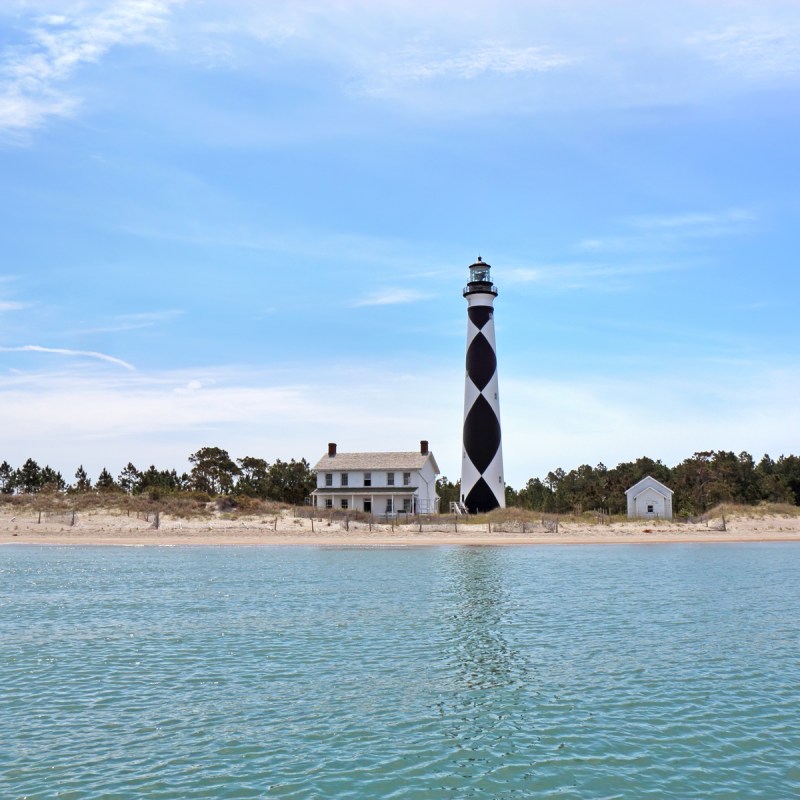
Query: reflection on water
x: 482, y: 655
x: 483, y: 713
x: 421, y: 673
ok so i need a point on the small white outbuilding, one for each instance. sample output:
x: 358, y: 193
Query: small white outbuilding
x: 649, y: 498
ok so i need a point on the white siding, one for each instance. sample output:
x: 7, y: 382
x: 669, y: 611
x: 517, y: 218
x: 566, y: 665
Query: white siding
x: 424, y: 500
x: 649, y: 498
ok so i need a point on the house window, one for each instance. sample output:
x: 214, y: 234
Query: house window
x: 390, y: 478
x: 344, y: 479
x: 328, y: 502
x: 329, y: 479
x: 367, y: 479
x: 368, y: 506
x: 389, y: 506
x: 406, y: 479
x: 406, y: 504
x: 344, y: 504
x: 649, y: 509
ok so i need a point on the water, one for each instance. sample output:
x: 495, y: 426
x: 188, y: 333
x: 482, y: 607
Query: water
x: 572, y: 672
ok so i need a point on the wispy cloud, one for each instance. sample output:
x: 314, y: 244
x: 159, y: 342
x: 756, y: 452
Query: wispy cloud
x: 392, y: 253
x: 390, y: 297
x: 660, y: 231
x: 161, y: 418
x: 138, y: 321
x: 583, y: 275
x: 109, y: 419
x: 32, y: 76
x: 11, y: 305
x: 486, y: 58
x: 462, y: 55
x: 759, y: 49
x: 7, y: 304
x: 34, y: 348
x: 647, y: 244
x: 591, y: 420
x: 705, y: 223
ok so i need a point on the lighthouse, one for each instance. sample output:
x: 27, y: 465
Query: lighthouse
x: 482, y: 484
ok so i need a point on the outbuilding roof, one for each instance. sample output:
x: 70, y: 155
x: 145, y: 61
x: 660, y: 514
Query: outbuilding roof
x: 649, y: 482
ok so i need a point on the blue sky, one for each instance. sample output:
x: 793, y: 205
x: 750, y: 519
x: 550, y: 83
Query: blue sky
x: 248, y: 224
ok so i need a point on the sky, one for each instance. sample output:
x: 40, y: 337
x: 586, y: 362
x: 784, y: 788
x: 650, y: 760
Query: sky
x: 248, y: 225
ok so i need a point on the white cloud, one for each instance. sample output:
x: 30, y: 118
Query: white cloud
x: 584, y: 275
x: 67, y: 419
x: 461, y: 55
x: 11, y: 305
x: 659, y: 232
x: 703, y: 223
x: 436, y: 58
x: 759, y: 49
x: 482, y: 59
x: 97, y: 421
x: 32, y: 76
x: 19, y: 111
x: 132, y: 322
x: 33, y: 348
x: 587, y: 420
x: 390, y: 297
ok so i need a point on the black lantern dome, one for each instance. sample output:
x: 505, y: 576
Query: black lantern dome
x: 480, y: 279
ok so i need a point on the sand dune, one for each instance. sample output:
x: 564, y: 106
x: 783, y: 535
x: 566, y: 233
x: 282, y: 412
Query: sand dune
x: 118, y: 528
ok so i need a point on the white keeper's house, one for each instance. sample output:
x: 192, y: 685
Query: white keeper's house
x: 377, y: 483
x: 649, y: 498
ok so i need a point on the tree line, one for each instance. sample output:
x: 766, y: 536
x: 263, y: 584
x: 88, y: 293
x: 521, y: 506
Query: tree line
x: 701, y: 482
x: 213, y: 473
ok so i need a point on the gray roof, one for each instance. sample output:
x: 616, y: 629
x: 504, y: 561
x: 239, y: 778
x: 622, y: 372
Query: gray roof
x: 648, y: 482
x: 378, y: 461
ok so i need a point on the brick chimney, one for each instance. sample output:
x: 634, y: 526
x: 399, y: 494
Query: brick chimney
x: 423, y: 447
x: 331, y: 449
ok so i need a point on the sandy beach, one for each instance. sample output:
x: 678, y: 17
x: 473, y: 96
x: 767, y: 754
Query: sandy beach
x: 104, y: 527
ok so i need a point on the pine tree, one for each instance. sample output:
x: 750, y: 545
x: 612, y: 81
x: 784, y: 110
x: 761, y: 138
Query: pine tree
x: 105, y: 482
x: 52, y: 480
x: 28, y: 478
x: 6, y: 478
x: 129, y: 479
x: 82, y: 482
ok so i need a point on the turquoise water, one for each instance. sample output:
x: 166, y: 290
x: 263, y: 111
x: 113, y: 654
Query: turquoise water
x: 572, y: 672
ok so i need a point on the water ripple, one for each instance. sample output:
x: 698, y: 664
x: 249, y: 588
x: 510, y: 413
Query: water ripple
x: 669, y: 672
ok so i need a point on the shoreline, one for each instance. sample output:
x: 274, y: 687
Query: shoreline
x: 104, y: 528
x: 394, y: 544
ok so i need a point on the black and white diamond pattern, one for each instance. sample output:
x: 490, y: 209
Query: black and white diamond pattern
x: 482, y: 486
